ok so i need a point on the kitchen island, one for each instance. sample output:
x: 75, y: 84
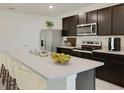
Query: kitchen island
x: 79, y: 73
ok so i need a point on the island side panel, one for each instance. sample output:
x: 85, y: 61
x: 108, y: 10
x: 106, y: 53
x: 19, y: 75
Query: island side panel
x: 71, y: 82
x: 86, y: 80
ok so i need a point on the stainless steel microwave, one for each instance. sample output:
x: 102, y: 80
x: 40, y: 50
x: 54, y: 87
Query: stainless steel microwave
x: 87, y: 29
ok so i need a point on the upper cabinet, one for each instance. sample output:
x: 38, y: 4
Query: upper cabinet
x: 104, y: 21
x: 109, y: 21
x: 69, y: 26
x: 65, y: 28
x: 89, y: 17
x: 118, y: 20
x: 92, y: 17
x: 81, y: 19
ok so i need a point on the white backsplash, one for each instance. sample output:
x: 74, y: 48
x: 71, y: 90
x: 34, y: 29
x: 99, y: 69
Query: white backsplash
x: 104, y: 40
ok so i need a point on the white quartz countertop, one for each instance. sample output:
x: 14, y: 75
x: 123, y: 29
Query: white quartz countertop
x: 105, y: 50
x: 50, y: 70
x: 69, y: 47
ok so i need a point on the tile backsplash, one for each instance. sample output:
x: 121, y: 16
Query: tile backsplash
x: 104, y: 40
x: 72, y: 41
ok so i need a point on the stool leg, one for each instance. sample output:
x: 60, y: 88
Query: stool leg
x: 7, y: 81
x: 9, y: 85
x: 1, y: 72
x: 4, y: 76
x: 14, y: 83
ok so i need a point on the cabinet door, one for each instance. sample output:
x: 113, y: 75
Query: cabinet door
x: 86, y: 55
x: 65, y: 26
x: 65, y: 50
x: 101, y: 72
x: 76, y: 54
x: 92, y: 17
x: 104, y: 21
x: 69, y: 26
x: 82, y: 18
x: 118, y: 20
x: 116, y: 73
x: 72, y: 26
x: 116, y: 69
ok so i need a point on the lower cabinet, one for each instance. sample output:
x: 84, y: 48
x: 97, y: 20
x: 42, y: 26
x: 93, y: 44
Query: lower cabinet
x: 113, y: 69
x: 76, y: 54
x: 101, y: 72
x: 116, y: 69
x: 116, y: 73
x: 86, y: 55
x: 65, y: 50
x: 69, y: 51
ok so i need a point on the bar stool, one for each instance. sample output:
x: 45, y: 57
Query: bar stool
x: 10, y: 79
x: 29, y: 80
x: 12, y: 63
x: 5, y: 67
x: 1, y: 65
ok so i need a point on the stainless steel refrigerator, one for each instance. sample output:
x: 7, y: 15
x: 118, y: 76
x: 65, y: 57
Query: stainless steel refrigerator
x: 50, y: 39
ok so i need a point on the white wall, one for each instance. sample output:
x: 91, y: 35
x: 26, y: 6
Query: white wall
x: 18, y: 30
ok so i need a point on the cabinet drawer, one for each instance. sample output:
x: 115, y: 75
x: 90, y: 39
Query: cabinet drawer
x: 87, y: 55
x: 76, y: 54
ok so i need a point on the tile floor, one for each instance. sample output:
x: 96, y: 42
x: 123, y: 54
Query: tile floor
x: 103, y: 85
x: 100, y: 85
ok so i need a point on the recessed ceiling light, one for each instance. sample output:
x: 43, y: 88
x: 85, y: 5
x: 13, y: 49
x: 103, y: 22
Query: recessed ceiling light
x: 50, y: 6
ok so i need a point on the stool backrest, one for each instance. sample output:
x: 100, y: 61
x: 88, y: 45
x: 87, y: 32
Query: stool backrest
x: 0, y: 59
x: 5, y: 59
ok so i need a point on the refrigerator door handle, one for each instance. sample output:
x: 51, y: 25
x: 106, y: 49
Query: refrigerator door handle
x: 45, y: 43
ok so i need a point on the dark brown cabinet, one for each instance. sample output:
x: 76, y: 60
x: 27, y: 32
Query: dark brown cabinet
x: 109, y: 21
x: 118, y: 20
x: 69, y: 26
x: 76, y: 54
x: 65, y: 50
x: 116, y: 73
x: 116, y: 69
x: 68, y: 51
x: 101, y: 72
x: 104, y: 21
x: 65, y: 28
x: 113, y: 69
x: 86, y: 55
x: 92, y: 17
x: 82, y: 18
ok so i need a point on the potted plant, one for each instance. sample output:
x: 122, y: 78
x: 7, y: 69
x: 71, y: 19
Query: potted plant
x: 49, y: 24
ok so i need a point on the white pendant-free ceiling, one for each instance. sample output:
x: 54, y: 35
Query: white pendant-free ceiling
x: 43, y: 8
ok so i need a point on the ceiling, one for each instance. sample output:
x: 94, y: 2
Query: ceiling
x: 43, y: 8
